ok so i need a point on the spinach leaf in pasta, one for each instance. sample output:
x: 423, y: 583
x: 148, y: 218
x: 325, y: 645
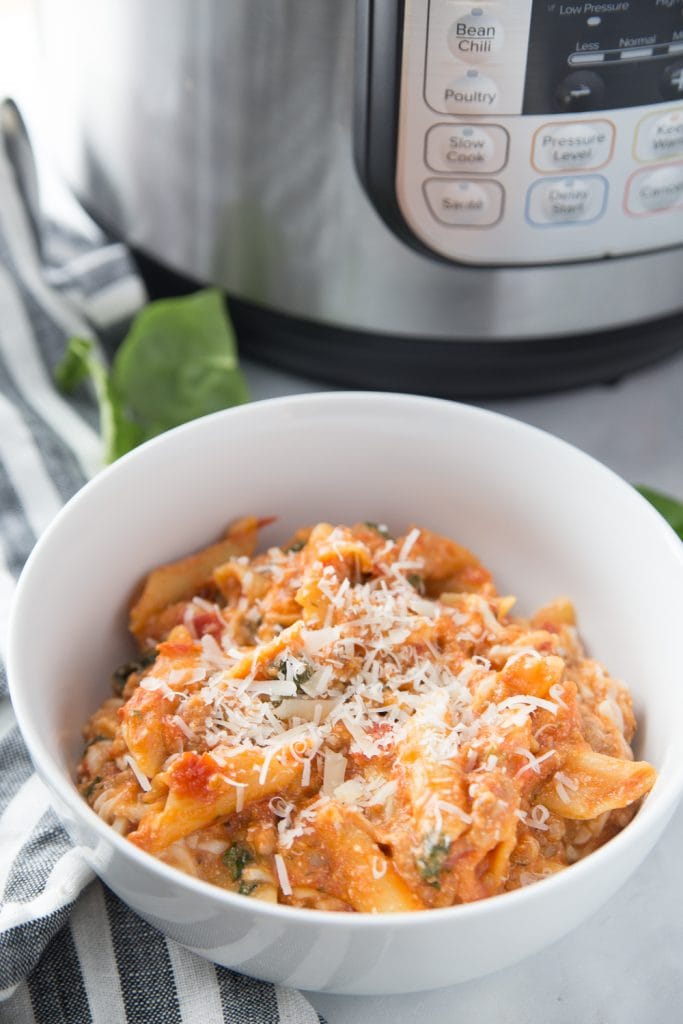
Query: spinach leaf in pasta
x: 431, y: 861
x: 236, y: 858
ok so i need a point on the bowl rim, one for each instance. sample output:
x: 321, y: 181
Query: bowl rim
x: 62, y: 785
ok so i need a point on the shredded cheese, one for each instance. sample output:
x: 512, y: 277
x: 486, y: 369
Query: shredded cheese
x: 282, y: 875
x: 333, y: 771
x: 533, y: 763
x: 562, y: 784
x: 538, y: 817
x: 142, y: 779
x: 378, y: 867
x: 327, y: 672
x: 556, y: 691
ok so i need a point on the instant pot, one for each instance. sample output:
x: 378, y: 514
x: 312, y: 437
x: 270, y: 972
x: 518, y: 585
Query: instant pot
x: 426, y: 195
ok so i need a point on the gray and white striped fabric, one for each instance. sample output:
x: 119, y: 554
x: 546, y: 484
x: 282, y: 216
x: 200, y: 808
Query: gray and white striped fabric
x: 69, y: 949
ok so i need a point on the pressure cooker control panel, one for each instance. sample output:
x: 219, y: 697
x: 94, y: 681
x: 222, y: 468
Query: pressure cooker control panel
x: 532, y: 131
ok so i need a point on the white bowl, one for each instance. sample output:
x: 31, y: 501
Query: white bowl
x: 546, y: 518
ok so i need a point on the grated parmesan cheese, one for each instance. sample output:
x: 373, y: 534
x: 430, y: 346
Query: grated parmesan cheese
x: 538, y: 817
x: 562, y: 784
x: 378, y: 867
x: 449, y: 808
x: 282, y: 875
x: 533, y: 762
x: 556, y: 691
x: 333, y: 771
x: 142, y: 779
x: 183, y: 726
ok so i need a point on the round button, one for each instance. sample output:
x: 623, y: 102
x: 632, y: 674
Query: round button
x: 671, y: 81
x: 581, y: 90
x: 475, y: 36
x: 471, y: 93
x: 658, y: 190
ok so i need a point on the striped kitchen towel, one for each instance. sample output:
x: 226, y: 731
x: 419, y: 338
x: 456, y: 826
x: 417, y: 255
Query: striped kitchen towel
x: 69, y: 949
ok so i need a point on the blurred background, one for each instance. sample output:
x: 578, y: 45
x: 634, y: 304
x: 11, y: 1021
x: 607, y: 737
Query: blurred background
x: 22, y: 78
x: 626, y: 412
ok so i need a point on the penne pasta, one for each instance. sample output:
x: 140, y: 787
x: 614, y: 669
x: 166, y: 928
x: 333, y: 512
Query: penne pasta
x: 358, y: 722
x: 180, y: 580
x: 356, y: 870
x: 591, y: 784
x: 200, y: 791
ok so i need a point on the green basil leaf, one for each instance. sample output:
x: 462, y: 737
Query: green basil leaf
x: 178, y: 362
x: 670, y: 508
x: 80, y: 362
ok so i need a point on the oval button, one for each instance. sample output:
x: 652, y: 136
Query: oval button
x: 580, y: 90
x: 472, y: 93
x: 475, y: 36
x: 671, y: 81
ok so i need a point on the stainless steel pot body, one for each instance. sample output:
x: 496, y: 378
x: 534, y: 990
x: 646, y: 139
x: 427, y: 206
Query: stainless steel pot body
x: 217, y: 137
